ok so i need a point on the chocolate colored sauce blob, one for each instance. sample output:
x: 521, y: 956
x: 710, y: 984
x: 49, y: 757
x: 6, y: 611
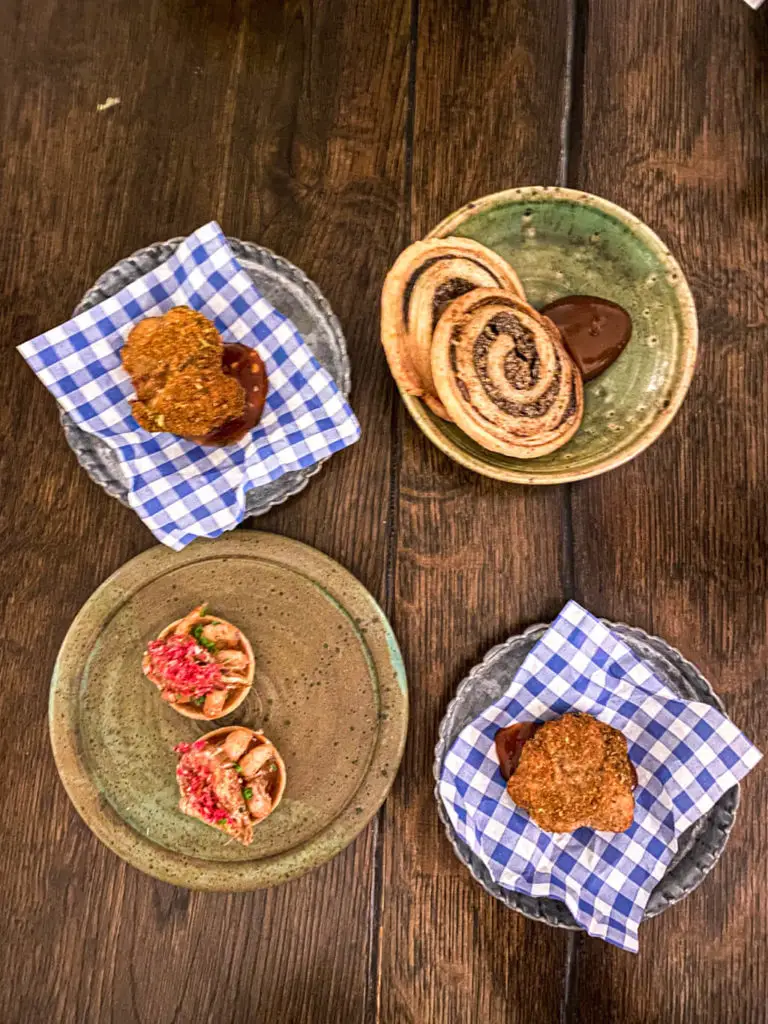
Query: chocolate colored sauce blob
x: 595, y: 331
x: 245, y: 365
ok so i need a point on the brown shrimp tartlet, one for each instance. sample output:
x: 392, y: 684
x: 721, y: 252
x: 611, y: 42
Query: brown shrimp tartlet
x: 231, y: 779
x: 202, y: 665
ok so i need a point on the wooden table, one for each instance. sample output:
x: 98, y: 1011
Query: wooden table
x: 335, y: 132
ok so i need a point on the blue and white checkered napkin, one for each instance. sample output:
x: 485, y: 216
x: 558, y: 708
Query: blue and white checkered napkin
x: 687, y: 755
x: 180, y: 489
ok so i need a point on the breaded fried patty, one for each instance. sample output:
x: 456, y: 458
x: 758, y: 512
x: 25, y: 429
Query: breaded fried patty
x: 575, y: 772
x: 175, y: 363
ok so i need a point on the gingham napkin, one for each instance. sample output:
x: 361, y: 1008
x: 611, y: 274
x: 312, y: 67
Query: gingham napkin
x: 180, y: 489
x: 687, y: 755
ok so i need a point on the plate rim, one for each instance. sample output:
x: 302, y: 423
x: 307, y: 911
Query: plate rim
x: 549, y: 910
x: 299, y: 479
x: 679, y: 283
x: 230, y: 876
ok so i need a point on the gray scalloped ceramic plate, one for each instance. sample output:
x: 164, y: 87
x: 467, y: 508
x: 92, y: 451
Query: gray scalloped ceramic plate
x: 289, y: 290
x: 329, y: 690
x: 699, y: 848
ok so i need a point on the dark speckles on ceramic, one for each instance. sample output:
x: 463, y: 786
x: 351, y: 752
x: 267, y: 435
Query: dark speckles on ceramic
x: 563, y: 242
x: 329, y: 690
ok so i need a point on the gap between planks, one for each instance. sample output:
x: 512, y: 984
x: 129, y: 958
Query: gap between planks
x: 568, y: 169
x: 372, y: 1006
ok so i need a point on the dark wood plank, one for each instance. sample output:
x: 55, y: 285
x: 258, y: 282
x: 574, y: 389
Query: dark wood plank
x: 676, y: 123
x: 285, y: 121
x: 476, y: 559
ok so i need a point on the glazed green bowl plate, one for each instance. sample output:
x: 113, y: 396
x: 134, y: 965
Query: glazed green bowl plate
x: 563, y: 242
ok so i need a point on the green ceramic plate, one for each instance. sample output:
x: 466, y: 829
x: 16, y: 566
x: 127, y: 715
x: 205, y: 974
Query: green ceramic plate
x: 562, y: 242
x: 329, y: 691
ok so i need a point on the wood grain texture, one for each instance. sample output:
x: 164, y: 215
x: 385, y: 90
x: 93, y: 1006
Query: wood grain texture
x: 286, y: 122
x: 476, y: 559
x: 335, y: 132
x: 676, y: 125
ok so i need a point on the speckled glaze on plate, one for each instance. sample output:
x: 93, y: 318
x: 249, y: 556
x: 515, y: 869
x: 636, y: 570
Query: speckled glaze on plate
x: 329, y: 690
x: 289, y: 290
x: 563, y: 242
x: 699, y: 847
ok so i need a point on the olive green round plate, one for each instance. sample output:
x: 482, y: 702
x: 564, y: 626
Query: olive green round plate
x: 563, y: 242
x: 329, y: 691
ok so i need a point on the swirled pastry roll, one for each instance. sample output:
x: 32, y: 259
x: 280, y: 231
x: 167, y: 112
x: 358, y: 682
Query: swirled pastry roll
x: 504, y: 376
x: 425, y: 278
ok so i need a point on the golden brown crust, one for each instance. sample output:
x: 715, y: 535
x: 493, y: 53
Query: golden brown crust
x: 191, y: 404
x: 175, y: 363
x: 503, y: 375
x: 424, y: 279
x: 575, y: 772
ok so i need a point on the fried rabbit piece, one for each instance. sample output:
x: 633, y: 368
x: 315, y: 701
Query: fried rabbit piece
x: 191, y: 404
x: 175, y: 363
x: 575, y: 772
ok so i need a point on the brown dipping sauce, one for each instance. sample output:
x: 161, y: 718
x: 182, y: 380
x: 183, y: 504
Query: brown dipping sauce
x: 509, y: 746
x: 595, y: 331
x: 246, y: 366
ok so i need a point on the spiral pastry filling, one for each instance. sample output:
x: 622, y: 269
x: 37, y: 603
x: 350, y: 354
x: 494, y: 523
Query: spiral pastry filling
x: 426, y: 278
x: 504, y: 376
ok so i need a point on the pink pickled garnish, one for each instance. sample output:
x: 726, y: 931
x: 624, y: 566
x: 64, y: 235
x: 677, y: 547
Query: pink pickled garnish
x: 184, y: 666
x: 196, y: 782
x: 182, y: 748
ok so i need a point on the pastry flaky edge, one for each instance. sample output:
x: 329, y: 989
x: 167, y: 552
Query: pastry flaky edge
x: 394, y: 336
x: 461, y: 411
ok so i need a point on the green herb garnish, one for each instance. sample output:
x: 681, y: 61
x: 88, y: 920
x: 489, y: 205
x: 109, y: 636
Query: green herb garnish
x: 197, y: 633
x: 222, y: 821
x: 247, y: 792
x: 238, y: 768
x: 199, y: 701
x: 273, y: 767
